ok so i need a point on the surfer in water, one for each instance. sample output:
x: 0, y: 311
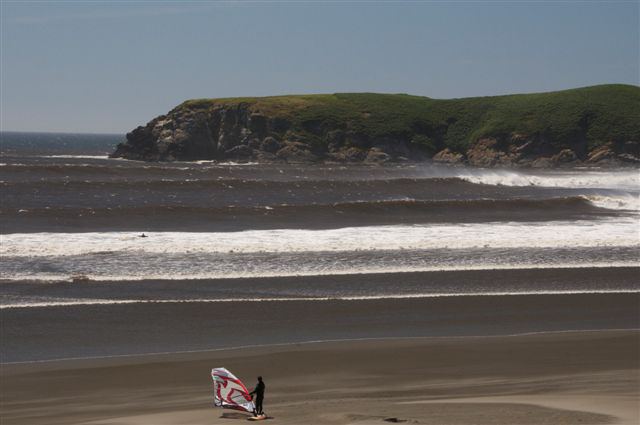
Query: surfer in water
x: 259, y: 392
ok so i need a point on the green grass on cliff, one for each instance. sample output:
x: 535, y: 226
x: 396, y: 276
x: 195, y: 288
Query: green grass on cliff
x: 597, y: 114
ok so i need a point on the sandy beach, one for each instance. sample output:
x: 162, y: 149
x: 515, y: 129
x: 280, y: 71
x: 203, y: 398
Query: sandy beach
x: 546, y: 378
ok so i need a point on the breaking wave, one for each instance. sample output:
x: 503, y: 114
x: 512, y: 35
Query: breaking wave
x: 620, y: 231
x: 621, y: 180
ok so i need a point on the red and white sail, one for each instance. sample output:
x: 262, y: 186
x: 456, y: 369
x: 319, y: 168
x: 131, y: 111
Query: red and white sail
x: 229, y: 392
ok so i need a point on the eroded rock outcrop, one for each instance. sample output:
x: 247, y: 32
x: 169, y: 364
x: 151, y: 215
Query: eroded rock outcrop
x: 239, y: 134
x: 535, y: 152
x: 341, y: 128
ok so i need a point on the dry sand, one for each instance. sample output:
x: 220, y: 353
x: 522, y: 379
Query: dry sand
x: 551, y: 378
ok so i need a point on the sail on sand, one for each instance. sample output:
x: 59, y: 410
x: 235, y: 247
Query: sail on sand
x: 229, y: 392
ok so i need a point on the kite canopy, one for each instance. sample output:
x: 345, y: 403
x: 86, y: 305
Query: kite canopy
x: 229, y: 392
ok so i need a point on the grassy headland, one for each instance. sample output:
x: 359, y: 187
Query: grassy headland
x: 580, y: 120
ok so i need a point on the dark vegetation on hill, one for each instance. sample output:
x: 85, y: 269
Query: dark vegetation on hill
x: 592, y: 125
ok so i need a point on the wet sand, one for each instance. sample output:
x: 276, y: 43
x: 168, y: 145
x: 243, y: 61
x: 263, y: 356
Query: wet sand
x: 547, y: 378
x: 47, y: 333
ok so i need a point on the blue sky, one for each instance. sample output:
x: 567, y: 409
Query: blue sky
x: 96, y: 66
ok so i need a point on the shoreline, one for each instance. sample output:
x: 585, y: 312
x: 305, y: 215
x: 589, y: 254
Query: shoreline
x: 143, y: 357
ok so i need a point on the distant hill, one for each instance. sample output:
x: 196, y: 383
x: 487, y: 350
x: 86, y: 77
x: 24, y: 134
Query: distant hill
x: 592, y: 125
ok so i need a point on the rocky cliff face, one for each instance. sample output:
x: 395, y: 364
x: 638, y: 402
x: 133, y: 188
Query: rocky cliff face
x: 238, y: 132
x: 520, y: 150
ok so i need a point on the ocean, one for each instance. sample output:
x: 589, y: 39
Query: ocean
x: 88, y: 241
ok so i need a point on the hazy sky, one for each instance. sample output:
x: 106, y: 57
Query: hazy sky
x: 96, y: 66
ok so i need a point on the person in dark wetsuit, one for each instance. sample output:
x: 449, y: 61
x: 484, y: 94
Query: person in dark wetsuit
x: 259, y: 392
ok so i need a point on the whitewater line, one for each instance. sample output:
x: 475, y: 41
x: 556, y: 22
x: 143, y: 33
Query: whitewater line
x: 311, y: 273
x: 318, y: 299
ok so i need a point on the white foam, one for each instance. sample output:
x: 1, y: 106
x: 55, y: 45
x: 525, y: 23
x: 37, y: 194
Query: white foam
x: 627, y: 202
x: 611, y: 232
x: 76, y: 156
x: 226, y: 163
x: 620, y: 180
x: 621, y: 189
x: 316, y: 299
x: 297, y: 270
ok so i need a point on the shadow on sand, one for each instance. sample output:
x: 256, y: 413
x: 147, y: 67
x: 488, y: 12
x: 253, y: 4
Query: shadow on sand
x: 235, y: 415
x: 239, y: 416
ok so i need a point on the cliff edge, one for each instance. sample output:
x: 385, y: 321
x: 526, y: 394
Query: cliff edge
x: 597, y: 125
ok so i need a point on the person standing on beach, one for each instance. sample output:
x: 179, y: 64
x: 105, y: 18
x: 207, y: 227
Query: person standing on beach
x: 259, y: 392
